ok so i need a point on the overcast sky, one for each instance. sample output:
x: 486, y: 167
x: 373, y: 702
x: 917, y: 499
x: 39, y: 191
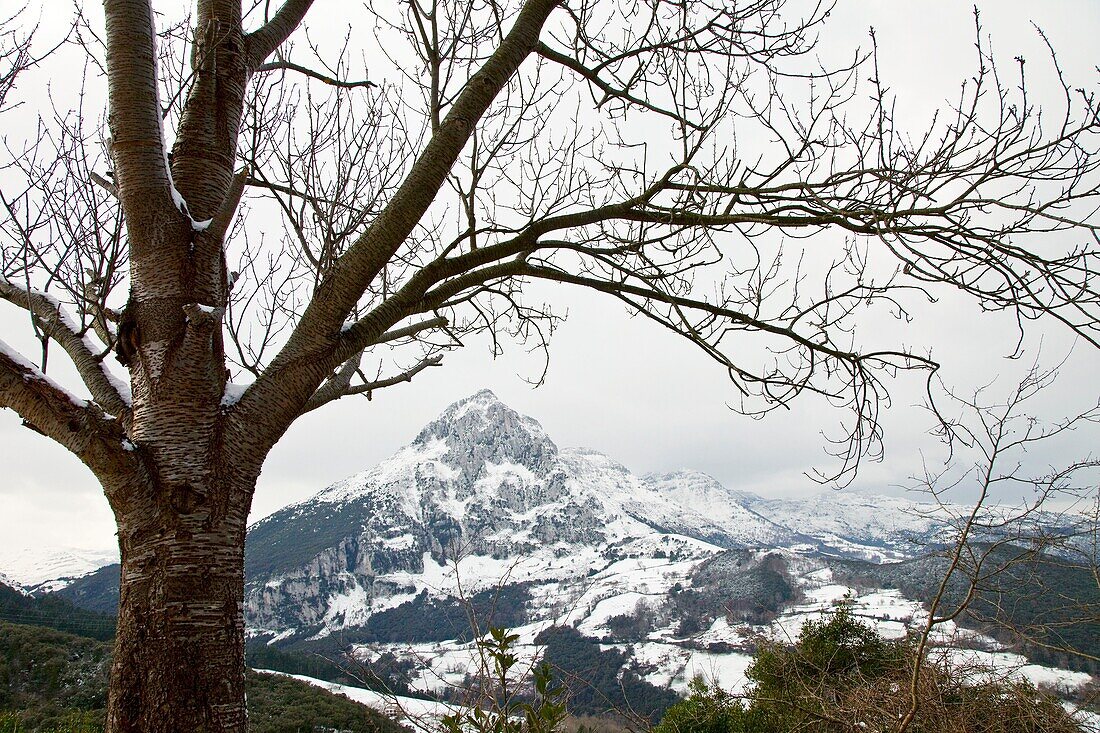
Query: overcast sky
x: 623, y: 387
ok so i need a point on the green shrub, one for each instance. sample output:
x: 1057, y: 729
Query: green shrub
x: 842, y: 677
x: 55, y: 682
x: 707, y: 709
x: 502, y: 707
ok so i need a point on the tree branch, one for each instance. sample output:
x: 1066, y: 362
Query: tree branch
x: 295, y: 193
x: 369, y: 254
x: 108, y: 392
x: 98, y: 440
x: 737, y: 317
x: 224, y: 218
x: 358, y: 335
x: 262, y: 42
x: 337, y: 385
x: 103, y: 183
x: 325, y: 395
x: 305, y: 71
x: 304, y: 362
x: 609, y: 91
x: 137, y: 141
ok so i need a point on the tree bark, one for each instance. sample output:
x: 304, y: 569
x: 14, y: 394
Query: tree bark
x: 179, y: 649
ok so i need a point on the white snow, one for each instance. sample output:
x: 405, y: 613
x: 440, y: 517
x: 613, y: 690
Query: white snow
x: 32, y: 566
x: 621, y: 543
x: 177, y: 198
x: 350, y: 608
x: 36, y: 374
x: 980, y: 664
x: 121, y: 386
x: 622, y: 604
x: 94, y: 347
x: 279, y: 637
x: 392, y: 475
x: 469, y: 575
x: 233, y: 393
x: 5, y: 580
x: 401, y: 542
x: 421, y: 714
x: 675, y: 666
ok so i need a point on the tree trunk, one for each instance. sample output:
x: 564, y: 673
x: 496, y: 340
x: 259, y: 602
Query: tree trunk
x: 179, y: 648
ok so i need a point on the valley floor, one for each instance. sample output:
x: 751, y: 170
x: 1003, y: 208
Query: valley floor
x: 721, y: 652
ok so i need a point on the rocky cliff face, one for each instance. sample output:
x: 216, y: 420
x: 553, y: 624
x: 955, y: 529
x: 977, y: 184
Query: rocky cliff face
x: 482, y: 431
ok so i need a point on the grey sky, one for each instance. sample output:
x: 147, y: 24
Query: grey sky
x: 619, y: 385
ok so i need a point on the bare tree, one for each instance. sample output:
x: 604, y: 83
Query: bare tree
x: 1031, y: 527
x: 651, y: 151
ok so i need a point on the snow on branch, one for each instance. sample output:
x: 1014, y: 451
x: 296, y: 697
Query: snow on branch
x: 48, y: 408
x: 109, y: 392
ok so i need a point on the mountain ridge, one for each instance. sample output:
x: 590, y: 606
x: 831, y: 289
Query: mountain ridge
x: 483, y: 481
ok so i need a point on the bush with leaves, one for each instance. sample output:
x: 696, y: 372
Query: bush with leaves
x: 842, y: 677
x: 707, y: 709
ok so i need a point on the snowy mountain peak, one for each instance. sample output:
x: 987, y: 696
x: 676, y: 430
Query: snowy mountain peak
x: 485, y: 486
x: 481, y: 429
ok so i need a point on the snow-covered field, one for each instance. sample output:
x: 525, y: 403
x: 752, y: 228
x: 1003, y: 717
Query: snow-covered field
x: 587, y: 603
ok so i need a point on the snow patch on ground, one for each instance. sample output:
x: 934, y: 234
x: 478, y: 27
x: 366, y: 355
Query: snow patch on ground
x: 282, y: 635
x: 980, y: 664
x: 420, y: 714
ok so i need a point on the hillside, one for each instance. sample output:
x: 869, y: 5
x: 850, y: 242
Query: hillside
x: 95, y: 591
x: 43, y: 568
x: 486, y: 488
x: 50, y: 678
x: 55, y: 612
x: 1054, y: 601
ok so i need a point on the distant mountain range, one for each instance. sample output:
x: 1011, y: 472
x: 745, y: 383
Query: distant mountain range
x: 486, y: 485
x: 42, y: 569
x: 482, y: 519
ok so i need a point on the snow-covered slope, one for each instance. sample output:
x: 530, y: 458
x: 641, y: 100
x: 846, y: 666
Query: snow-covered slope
x: 480, y: 481
x: 50, y: 568
x: 483, y: 513
x: 730, y: 509
x: 487, y: 487
x: 412, y: 712
x: 724, y: 649
x: 875, y: 527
